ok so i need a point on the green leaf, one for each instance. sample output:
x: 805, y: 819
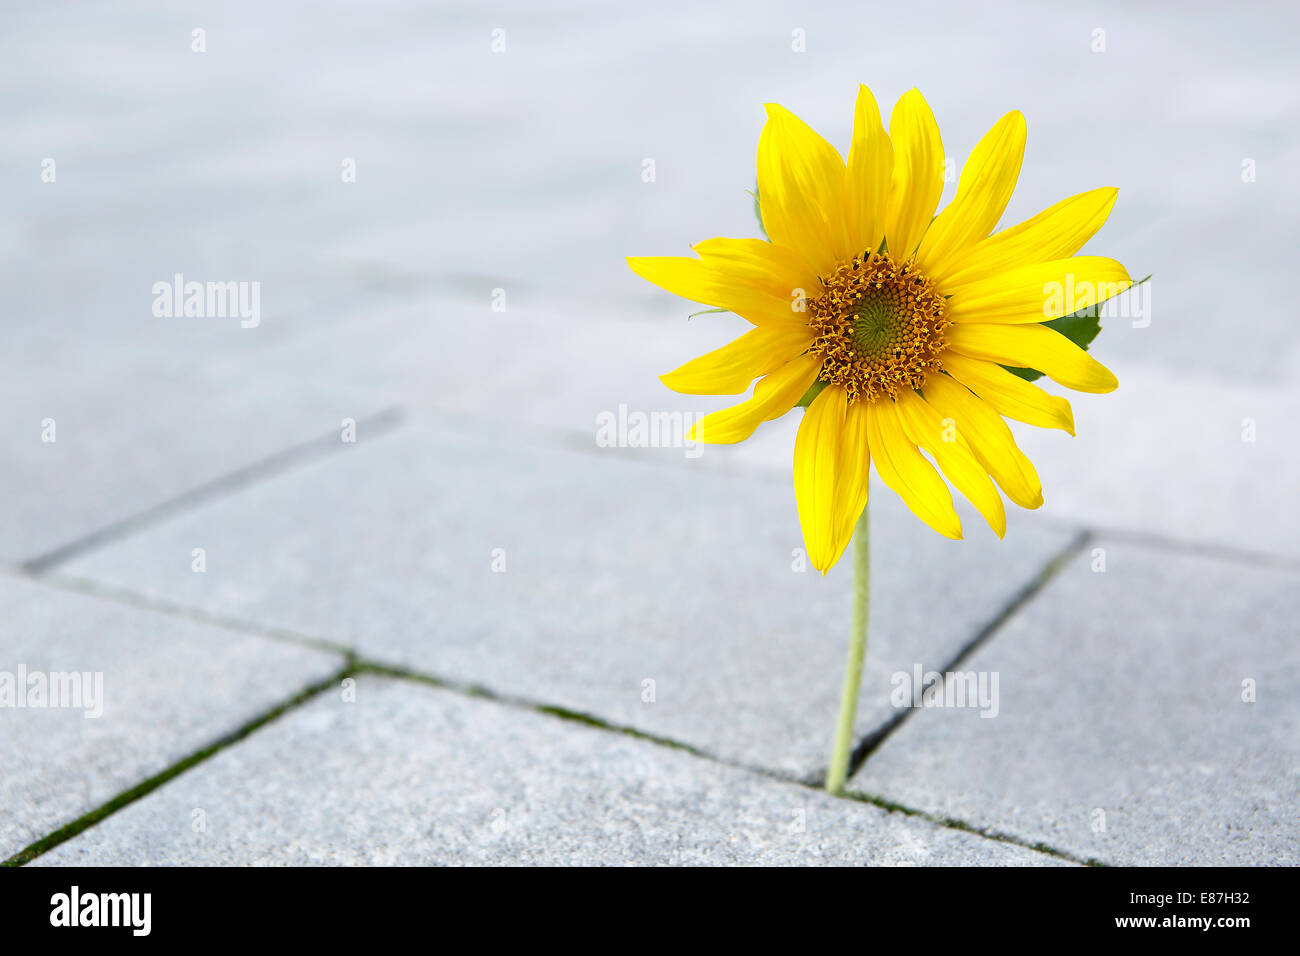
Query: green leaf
x: 705, y: 312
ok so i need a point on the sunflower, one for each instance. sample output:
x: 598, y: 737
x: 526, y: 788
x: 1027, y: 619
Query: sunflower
x: 896, y: 328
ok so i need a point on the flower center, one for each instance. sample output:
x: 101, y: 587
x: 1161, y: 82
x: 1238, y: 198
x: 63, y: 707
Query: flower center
x: 878, y: 327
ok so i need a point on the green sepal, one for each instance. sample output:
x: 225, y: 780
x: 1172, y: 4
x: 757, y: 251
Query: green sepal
x: 814, y: 390
x: 758, y: 213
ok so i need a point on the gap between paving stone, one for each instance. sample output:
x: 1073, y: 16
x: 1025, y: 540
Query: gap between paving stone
x: 872, y: 741
x: 92, y: 588
x: 951, y: 823
x: 1180, y: 689
x: 355, y: 667
x: 861, y: 752
x: 127, y: 797
x: 381, y: 423
x: 359, y: 665
x: 1204, y: 549
x: 369, y: 665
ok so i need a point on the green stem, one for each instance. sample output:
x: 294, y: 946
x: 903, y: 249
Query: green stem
x: 857, y: 654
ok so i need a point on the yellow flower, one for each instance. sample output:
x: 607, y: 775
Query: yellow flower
x: 906, y: 321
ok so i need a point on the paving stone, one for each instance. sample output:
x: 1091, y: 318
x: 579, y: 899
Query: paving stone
x: 1184, y: 456
x: 1122, y: 730
x: 624, y: 580
x: 168, y: 687
x: 89, y: 282
x: 120, y: 447
x: 548, y: 368
x: 408, y: 774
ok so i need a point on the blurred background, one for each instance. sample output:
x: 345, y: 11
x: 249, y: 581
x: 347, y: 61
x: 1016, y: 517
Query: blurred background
x: 435, y: 201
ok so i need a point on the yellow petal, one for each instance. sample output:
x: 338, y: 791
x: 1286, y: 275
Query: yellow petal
x: 853, y: 475
x: 989, y: 438
x: 850, y: 492
x: 776, y: 270
x: 692, y: 279
x: 1038, y: 292
x: 940, y: 437
x: 1055, y: 233
x: 801, y: 190
x: 906, y: 470
x: 987, y: 181
x: 816, y: 459
x: 1037, y: 347
x: 773, y: 397
x: 871, y: 163
x: 731, y: 369
x: 916, y: 182
x: 1009, y: 394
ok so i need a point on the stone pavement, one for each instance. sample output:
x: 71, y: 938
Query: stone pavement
x: 356, y: 582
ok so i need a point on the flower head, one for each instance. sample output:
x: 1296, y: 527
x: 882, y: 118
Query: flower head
x: 896, y: 327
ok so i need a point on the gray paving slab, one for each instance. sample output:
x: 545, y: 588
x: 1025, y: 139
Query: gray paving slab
x: 408, y: 774
x: 1146, y: 715
x: 550, y: 368
x: 85, y: 445
x: 159, y: 689
x: 1185, y: 456
x: 92, y: 287
x: 670, y: 600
